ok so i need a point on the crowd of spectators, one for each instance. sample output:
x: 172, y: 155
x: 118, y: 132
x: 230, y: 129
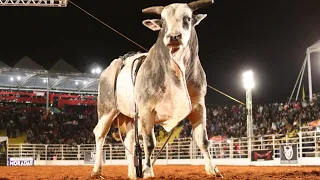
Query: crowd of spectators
x: 75, y: 126
x: 17, y: 117
x: 274, y: 118
x: 65, y: 127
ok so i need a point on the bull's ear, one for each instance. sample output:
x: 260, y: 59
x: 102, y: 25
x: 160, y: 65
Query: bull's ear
x: 198, y: 18
x: 153, y: 24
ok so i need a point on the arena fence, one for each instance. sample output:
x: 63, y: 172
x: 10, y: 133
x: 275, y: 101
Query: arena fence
x: 265, y: 150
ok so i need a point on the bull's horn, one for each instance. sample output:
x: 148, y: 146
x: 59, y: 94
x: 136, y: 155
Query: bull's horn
x: 153, y: 10
x: 199, y: 4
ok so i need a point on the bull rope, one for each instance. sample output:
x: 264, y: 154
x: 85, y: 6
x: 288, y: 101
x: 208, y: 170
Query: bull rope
x: 165, y: 143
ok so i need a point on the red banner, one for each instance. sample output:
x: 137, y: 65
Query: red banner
x: 40, y: 98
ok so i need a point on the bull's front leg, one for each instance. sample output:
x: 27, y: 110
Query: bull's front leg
x: 149, y: 143
x: 198, y: 120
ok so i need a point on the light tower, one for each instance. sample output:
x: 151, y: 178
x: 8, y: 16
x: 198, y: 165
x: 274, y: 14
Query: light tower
x: 248, y: 85
x: 34, y: 3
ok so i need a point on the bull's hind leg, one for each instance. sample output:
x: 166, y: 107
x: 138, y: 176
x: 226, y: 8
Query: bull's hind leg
x: 129, y: 143
x: 106, y: 110
x: 100, y: 132
x: 198, y: 120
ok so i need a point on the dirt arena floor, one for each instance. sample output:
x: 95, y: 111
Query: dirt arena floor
x: 161, y: 172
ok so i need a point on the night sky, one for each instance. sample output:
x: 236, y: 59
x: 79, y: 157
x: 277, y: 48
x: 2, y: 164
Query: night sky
x: 269, y: 37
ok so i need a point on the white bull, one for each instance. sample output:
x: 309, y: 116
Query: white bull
x: 169, y: 86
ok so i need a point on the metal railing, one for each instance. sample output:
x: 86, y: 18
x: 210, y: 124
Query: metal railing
x: 308, y: 146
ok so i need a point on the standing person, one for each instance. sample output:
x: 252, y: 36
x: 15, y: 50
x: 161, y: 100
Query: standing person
x: 14, y: 130
x: 8, y: 130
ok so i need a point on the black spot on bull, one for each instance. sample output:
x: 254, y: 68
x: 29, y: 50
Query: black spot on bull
x: 186, y: 22
x: 150, y: 147
x: 205, y: 142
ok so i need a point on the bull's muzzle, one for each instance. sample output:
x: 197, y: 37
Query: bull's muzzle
x: 174, y: 39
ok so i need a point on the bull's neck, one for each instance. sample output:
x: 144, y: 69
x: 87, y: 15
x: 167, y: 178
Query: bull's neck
x: 184, y: 57
x: 162, y: 59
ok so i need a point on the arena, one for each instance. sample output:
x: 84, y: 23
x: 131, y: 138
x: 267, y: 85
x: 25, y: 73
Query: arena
x: 54, y: 122
x: 161, y: 172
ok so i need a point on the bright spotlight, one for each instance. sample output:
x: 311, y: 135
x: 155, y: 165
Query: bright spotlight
x: 44, y: 80
x: 76, y: 83
x: 18, y: 78
x: 248, y: 79
x: 84, y: 82
x: 98, y: 70
x: 11, y: 79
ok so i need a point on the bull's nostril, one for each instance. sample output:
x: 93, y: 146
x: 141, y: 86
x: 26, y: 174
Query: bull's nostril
x: 175, y: 37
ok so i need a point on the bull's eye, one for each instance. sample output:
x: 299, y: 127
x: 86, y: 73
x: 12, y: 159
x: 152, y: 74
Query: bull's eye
x: 186, y: 19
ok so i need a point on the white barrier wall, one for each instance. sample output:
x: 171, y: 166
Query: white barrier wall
x: 266, y: 151
x: 223, y: 162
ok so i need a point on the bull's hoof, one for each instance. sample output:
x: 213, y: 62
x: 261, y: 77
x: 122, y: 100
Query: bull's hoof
x: 213, y: 171
x: 148, y: 173
x: 218, y: 173
x: 95, y: 175
x: 133, y: 176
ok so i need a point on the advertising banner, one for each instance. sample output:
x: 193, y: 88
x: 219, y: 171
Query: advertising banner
x: 289, y: 154
x: 90, y: 157
x: 261, y: 155
x: 20, y: 162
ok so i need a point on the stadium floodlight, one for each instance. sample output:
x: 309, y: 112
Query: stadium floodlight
x: 76, y: 82
x: 18, y: 78
x: 248, y: 84
x: 96, y: 70
x: 248, y: 80
x: 11, y: 79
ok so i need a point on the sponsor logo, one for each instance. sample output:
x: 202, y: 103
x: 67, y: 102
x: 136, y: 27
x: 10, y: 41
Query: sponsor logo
x: 90, y: 157
x: 261, y: 155
x: 93, y: 155
x: 20, y: 162
x: 289, y: 154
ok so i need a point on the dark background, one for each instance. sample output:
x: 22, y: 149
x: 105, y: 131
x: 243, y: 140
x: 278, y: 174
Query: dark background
x: 269, y: 37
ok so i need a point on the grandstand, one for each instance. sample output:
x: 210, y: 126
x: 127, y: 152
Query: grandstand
x: 30, y: 87
x: 29, y: 76
x: 26, y: 82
